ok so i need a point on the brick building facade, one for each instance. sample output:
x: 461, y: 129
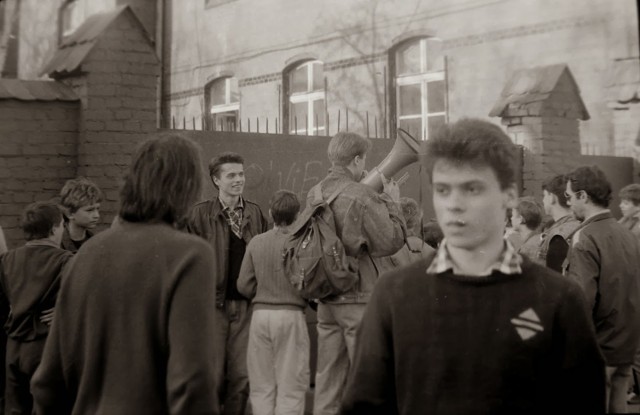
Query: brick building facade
x: 359, y: 46
x: 226, y: 62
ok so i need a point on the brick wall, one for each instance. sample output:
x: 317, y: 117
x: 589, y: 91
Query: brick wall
x: 626, y: 129
x: 118, y: 90
x: 37, y: 155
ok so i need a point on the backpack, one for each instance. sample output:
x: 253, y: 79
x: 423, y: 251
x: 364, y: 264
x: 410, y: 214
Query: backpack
x: 314, y: 257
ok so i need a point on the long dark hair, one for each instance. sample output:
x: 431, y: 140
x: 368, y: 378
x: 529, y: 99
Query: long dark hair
x: 163, y: 182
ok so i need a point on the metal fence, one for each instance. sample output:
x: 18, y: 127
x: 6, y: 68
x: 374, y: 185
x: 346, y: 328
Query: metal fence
x: 369, y: 126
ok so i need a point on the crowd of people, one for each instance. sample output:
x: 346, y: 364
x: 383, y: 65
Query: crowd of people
x: 500, y: 304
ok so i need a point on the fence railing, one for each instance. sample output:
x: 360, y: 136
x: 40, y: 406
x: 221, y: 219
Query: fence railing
x: 324, y: 125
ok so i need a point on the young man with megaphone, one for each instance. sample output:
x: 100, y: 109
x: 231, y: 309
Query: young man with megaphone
x: 370, y: 225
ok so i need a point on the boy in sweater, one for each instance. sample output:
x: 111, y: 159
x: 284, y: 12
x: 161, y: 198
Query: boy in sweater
x: 278, y: 351
x: 80, y: 200
x: 478, y: 328
x: 30, y: 279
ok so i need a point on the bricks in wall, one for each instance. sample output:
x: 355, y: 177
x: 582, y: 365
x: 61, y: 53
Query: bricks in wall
x: 37, y: 155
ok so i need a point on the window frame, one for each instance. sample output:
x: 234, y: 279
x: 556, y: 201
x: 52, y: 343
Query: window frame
x: 228, y: 109
x: 310, y: 96
x: 422, y: 78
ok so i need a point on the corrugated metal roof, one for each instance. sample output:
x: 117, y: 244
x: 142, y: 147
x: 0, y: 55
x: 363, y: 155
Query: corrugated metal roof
x: 36, y: 90
x: 535, y: 85
x: 75, y: 48
x: 624, y: 81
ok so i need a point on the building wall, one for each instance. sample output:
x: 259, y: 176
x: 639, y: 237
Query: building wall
x: 118, y: 89
x: 37, y: 155
x: 485, y: 41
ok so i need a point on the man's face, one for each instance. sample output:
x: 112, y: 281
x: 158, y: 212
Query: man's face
x: 628, y: 208
x: 469, y: 204
x: 576, y: 201
x: 547, y: 201
x: 231, y: 179
x: 86, y: 217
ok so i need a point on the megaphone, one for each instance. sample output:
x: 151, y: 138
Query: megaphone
x: 404, y: 152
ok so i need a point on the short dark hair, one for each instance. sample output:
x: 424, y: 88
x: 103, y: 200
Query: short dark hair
x: 163, y: 181
x: 557, y: 186
x: 284, y: 207
x: 344, y: 146
x: 476, y: 142
x: 39, y: 219
x: 631, y: 192
x: 531, y: 213
x: 432, y: 233
x: 593, y: 182
x: 223, y: 158
x: 77, y: 193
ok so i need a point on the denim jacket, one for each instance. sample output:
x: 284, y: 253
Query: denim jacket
x: 369, y: 225
x: 207, y: 220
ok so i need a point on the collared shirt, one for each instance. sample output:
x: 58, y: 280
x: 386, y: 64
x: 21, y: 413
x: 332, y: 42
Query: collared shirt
x: 507, y: 263
x: 234, y: 216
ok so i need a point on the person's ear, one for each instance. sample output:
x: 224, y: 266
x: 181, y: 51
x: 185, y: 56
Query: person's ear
x: 215, y: 181
x: 583, y: 195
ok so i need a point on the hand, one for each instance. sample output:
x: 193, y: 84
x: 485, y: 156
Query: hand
x: 391, y: 188
x: 47, y: 316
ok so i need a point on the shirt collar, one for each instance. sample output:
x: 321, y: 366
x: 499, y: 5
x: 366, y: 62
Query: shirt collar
x: 42, y: 242
x: 338, y: 170
x: 507, y: 263
x: 240, y: 204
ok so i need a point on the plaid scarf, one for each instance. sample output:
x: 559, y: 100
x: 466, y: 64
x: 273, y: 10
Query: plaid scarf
x: 234, y: 217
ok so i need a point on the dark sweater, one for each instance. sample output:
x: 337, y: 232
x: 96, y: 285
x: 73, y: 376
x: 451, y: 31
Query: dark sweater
x: 135, y: 327
x: 449, y: 344
x: 30, y: 279
x: 237, y: 248
x: 71, y: 244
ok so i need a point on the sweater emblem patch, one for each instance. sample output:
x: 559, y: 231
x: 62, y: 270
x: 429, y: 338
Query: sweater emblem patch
x: 527, y: 324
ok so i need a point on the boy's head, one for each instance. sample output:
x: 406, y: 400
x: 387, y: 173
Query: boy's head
x: 553, y: 193
x: 349, y: 150
x: 526, y: 215
x: 80, y: 201
x: 412, y: 215
x: 630, y: 199
x: 284, y: 207
x: 587, y: 187
x: 163, y: 181
x: 227, y: 173
x: 472, y: 165
x: 42, y: 220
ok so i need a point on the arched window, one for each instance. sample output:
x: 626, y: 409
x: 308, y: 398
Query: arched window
x: 68, y: 18
x: 222, y: 100
x: 420, y: 89
x: 305, y: 98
